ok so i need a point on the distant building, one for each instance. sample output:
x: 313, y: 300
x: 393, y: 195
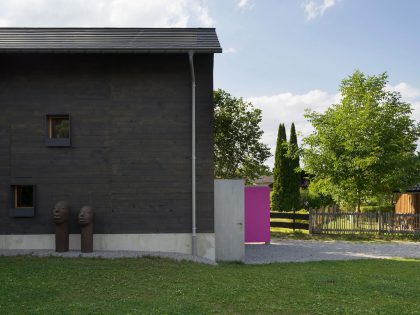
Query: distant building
x: 268, y: 181
x: 409, y: 201
x: 265, y: 181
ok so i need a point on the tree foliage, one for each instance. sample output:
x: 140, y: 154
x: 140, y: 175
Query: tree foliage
x: 278, y: 196
x: 238, y: 150
x: 294, y: 172
x: 286, y: 179
x: 364, y: 146
x: 311, y: 199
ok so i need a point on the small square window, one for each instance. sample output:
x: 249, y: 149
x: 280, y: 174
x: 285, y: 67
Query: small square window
x: 23, y: 201
x: 58, y: 131
x: 23, y: 196
x: 59, y: 127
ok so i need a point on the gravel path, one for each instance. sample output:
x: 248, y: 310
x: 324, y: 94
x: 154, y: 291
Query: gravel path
x: 277, y: 251
x: 105, y: 255
x: 300, y: 251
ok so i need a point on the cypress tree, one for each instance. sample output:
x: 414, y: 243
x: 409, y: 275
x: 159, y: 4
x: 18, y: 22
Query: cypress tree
x: 279, y: 172
x: 293, y: 172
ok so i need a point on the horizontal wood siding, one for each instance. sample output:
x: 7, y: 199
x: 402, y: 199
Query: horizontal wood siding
x: 131, y: 140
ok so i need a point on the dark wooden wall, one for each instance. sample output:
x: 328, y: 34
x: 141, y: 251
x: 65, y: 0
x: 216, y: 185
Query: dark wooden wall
x: 131, y: 140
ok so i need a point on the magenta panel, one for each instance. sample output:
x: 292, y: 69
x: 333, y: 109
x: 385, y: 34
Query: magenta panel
x: 257, y: 214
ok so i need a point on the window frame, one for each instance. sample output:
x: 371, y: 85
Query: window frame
x: 21, y: 212
x: 56, y: 142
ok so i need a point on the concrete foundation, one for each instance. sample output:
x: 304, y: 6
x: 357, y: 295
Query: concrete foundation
x: 172, y: 243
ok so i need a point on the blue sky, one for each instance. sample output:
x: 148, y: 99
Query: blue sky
x: 288, y: 55
x: 278, y: 49
x: 282, y: 55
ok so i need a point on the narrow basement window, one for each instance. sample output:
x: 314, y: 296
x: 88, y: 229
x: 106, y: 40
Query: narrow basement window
x: 23, y: 201
x: 58, y: 131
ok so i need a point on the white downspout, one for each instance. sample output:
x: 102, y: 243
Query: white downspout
x: 193, y: 177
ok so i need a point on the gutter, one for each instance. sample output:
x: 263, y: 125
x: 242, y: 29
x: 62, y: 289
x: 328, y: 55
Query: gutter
x: 193, y: 158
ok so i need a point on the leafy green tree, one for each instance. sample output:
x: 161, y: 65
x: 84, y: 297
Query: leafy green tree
x: 364, y: 146
x: 311, y: 199
x: 238, y: 150
x: 293, y: 172
x: 278, y: 196
x: 286, y: 181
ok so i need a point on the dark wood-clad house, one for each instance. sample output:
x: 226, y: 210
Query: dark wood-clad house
x: 105, y: 117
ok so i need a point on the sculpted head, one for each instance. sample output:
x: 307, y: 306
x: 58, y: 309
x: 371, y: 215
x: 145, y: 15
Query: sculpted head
x: 61, y: 212
x: 86, y: 215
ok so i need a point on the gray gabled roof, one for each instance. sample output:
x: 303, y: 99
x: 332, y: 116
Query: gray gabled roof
x: 415, y: 188
x: 133, y: 40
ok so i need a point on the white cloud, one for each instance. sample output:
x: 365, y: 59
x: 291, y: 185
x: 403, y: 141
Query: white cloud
x: 407, y: 91
x: 315, y: 8
x: 243, y: 3
x: 230, y: 50
x: 410, y: 95
x: 102, y: 13
x: 288, y: 107
x: 202, y: 14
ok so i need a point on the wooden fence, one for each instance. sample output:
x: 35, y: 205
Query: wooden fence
x: 335, y: 222
x: 290, y: 216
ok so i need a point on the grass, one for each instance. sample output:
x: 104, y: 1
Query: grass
x: 53, y: 285
x: 282, y: 233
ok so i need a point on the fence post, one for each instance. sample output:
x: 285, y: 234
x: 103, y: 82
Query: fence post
x: 380, y: 222
x: 310, y: 221
x: 294, y: 219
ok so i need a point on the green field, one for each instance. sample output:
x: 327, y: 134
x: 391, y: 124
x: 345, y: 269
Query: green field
x: 54, y: 285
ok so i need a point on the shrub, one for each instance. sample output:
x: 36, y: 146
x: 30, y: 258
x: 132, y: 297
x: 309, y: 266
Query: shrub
x: 377, y: 209
x: 310, y: 199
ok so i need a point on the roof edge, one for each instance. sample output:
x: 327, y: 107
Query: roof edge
x: 109, y: 40
x: 108, y: 51
x: 102, y: 28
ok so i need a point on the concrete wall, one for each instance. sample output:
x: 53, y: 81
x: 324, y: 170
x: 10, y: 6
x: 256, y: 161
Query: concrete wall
x: 229, y: 200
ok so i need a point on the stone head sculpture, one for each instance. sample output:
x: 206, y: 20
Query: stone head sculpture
x: 86, y: 229
x: 86, y: 216
x: 61, y: 214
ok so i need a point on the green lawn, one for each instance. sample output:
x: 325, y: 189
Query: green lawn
x: 53, y: 285
x: 285, y: 234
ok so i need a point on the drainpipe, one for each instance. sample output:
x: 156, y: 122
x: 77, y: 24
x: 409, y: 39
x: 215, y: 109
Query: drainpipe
x: 193, y: 177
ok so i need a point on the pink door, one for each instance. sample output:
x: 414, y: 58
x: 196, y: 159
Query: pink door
x: 257, y: 214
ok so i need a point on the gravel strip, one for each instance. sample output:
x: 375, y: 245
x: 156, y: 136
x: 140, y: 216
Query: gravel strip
x: 277, y: 251
x: 105, y: 255
x: 301, y: 251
